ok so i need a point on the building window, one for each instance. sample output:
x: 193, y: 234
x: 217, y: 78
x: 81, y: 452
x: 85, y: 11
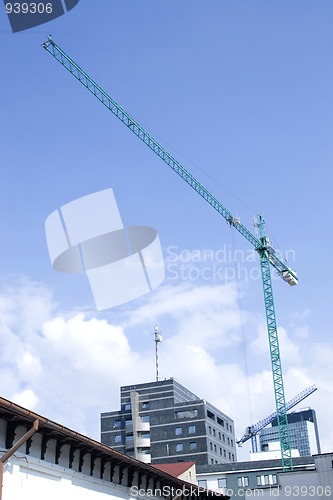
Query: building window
x: 229, y: 455
x: 145, y: 435
x: 267, y: 480
x: 233, y: 457
x: 128, y: 422
x: 179, y: 447
x: 228, y: 441
x: 210, y: 429
x: 222, y: 482
x: 243, y: 481
x: 227, y: 426
x: 220, y: 451
x: 202, y: 483
x: 178, y: 431
x: 117, y: 424
x: 231, y: 441
x: 193, y: 445
x: 210, y: 415
x: 220, y: 421
x: 214, y: 432
x: 215, y: 448
x: 186, y: 414
x: 219, y: 435
x: 223, y: 437
x: 127, y: 407
x: 192, y: 429
x: 230, y: 428
x: 211, y: 446
x: 145, y: 405
x: 225, y: 453
x: 117, y: 438
x: 130, y: 437
x: 145, y: 419
x: 211, y: 461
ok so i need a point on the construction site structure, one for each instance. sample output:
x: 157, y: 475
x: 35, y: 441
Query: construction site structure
x: 252, y: 431
x: 267, y: 254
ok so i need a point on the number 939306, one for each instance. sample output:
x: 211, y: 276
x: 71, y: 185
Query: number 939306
x: 28, y: 8
x: 307, y: 491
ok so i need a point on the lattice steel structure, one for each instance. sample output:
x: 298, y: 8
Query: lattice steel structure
x: 266, y: 252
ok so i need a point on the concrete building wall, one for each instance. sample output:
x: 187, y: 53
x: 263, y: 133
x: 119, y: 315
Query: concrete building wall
x: 32, y: 479
x: 312, y: 477
x: 317, y: 483
x: 41, y: 459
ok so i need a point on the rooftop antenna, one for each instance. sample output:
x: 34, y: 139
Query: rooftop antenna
x: 158, y: 339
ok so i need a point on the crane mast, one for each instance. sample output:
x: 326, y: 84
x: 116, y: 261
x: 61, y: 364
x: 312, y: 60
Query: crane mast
x: 266, y: 252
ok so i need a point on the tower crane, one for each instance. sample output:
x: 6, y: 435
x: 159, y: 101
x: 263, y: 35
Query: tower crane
x: 266, y: 252
x: 252, y: 431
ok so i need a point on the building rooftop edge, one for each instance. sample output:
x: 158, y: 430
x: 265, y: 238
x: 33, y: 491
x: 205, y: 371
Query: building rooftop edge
x: 258, y: 464
x: 25, y: 418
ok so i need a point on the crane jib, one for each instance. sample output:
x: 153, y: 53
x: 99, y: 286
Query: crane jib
x: 286, y: 273
x: 266, y: 253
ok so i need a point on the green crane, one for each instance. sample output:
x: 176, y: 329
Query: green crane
x: 266, y: 252
x: 252, y: 431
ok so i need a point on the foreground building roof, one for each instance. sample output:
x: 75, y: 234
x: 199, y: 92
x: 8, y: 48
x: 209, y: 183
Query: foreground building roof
x: 57, y: 445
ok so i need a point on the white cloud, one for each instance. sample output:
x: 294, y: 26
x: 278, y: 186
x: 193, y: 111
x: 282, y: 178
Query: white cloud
x: 69, y: 367
x: 26, y: 398
x: 29, y: 366
x: 290, y: 350
x: 204, y: 315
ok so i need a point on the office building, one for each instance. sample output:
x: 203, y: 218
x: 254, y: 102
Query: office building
x: 303, y: 432
x: 163, y: 422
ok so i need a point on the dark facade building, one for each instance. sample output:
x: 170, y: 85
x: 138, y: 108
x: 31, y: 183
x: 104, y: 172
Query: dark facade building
x: 303, y: 432
x: 163, y: 422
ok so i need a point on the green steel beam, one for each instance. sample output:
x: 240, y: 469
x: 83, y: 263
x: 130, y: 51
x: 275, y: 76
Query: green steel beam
x: 124, y: 117
x: 129, y: 121
x: 273, y: 339
x: 253, y: 430
x: 267, y: 254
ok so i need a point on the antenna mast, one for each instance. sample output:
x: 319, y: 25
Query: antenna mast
x: 158, y: 339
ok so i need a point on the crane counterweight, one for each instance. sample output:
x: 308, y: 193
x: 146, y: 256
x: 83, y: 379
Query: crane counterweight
x: 289, y: 278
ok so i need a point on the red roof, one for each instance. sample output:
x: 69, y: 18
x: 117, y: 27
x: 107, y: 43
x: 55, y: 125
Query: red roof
x: 175, y: 469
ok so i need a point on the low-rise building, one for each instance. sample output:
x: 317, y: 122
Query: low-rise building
x: 40, y: 459
x: 312, y: 476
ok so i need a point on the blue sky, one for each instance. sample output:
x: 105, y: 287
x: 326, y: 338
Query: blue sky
x: 241, y: 93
